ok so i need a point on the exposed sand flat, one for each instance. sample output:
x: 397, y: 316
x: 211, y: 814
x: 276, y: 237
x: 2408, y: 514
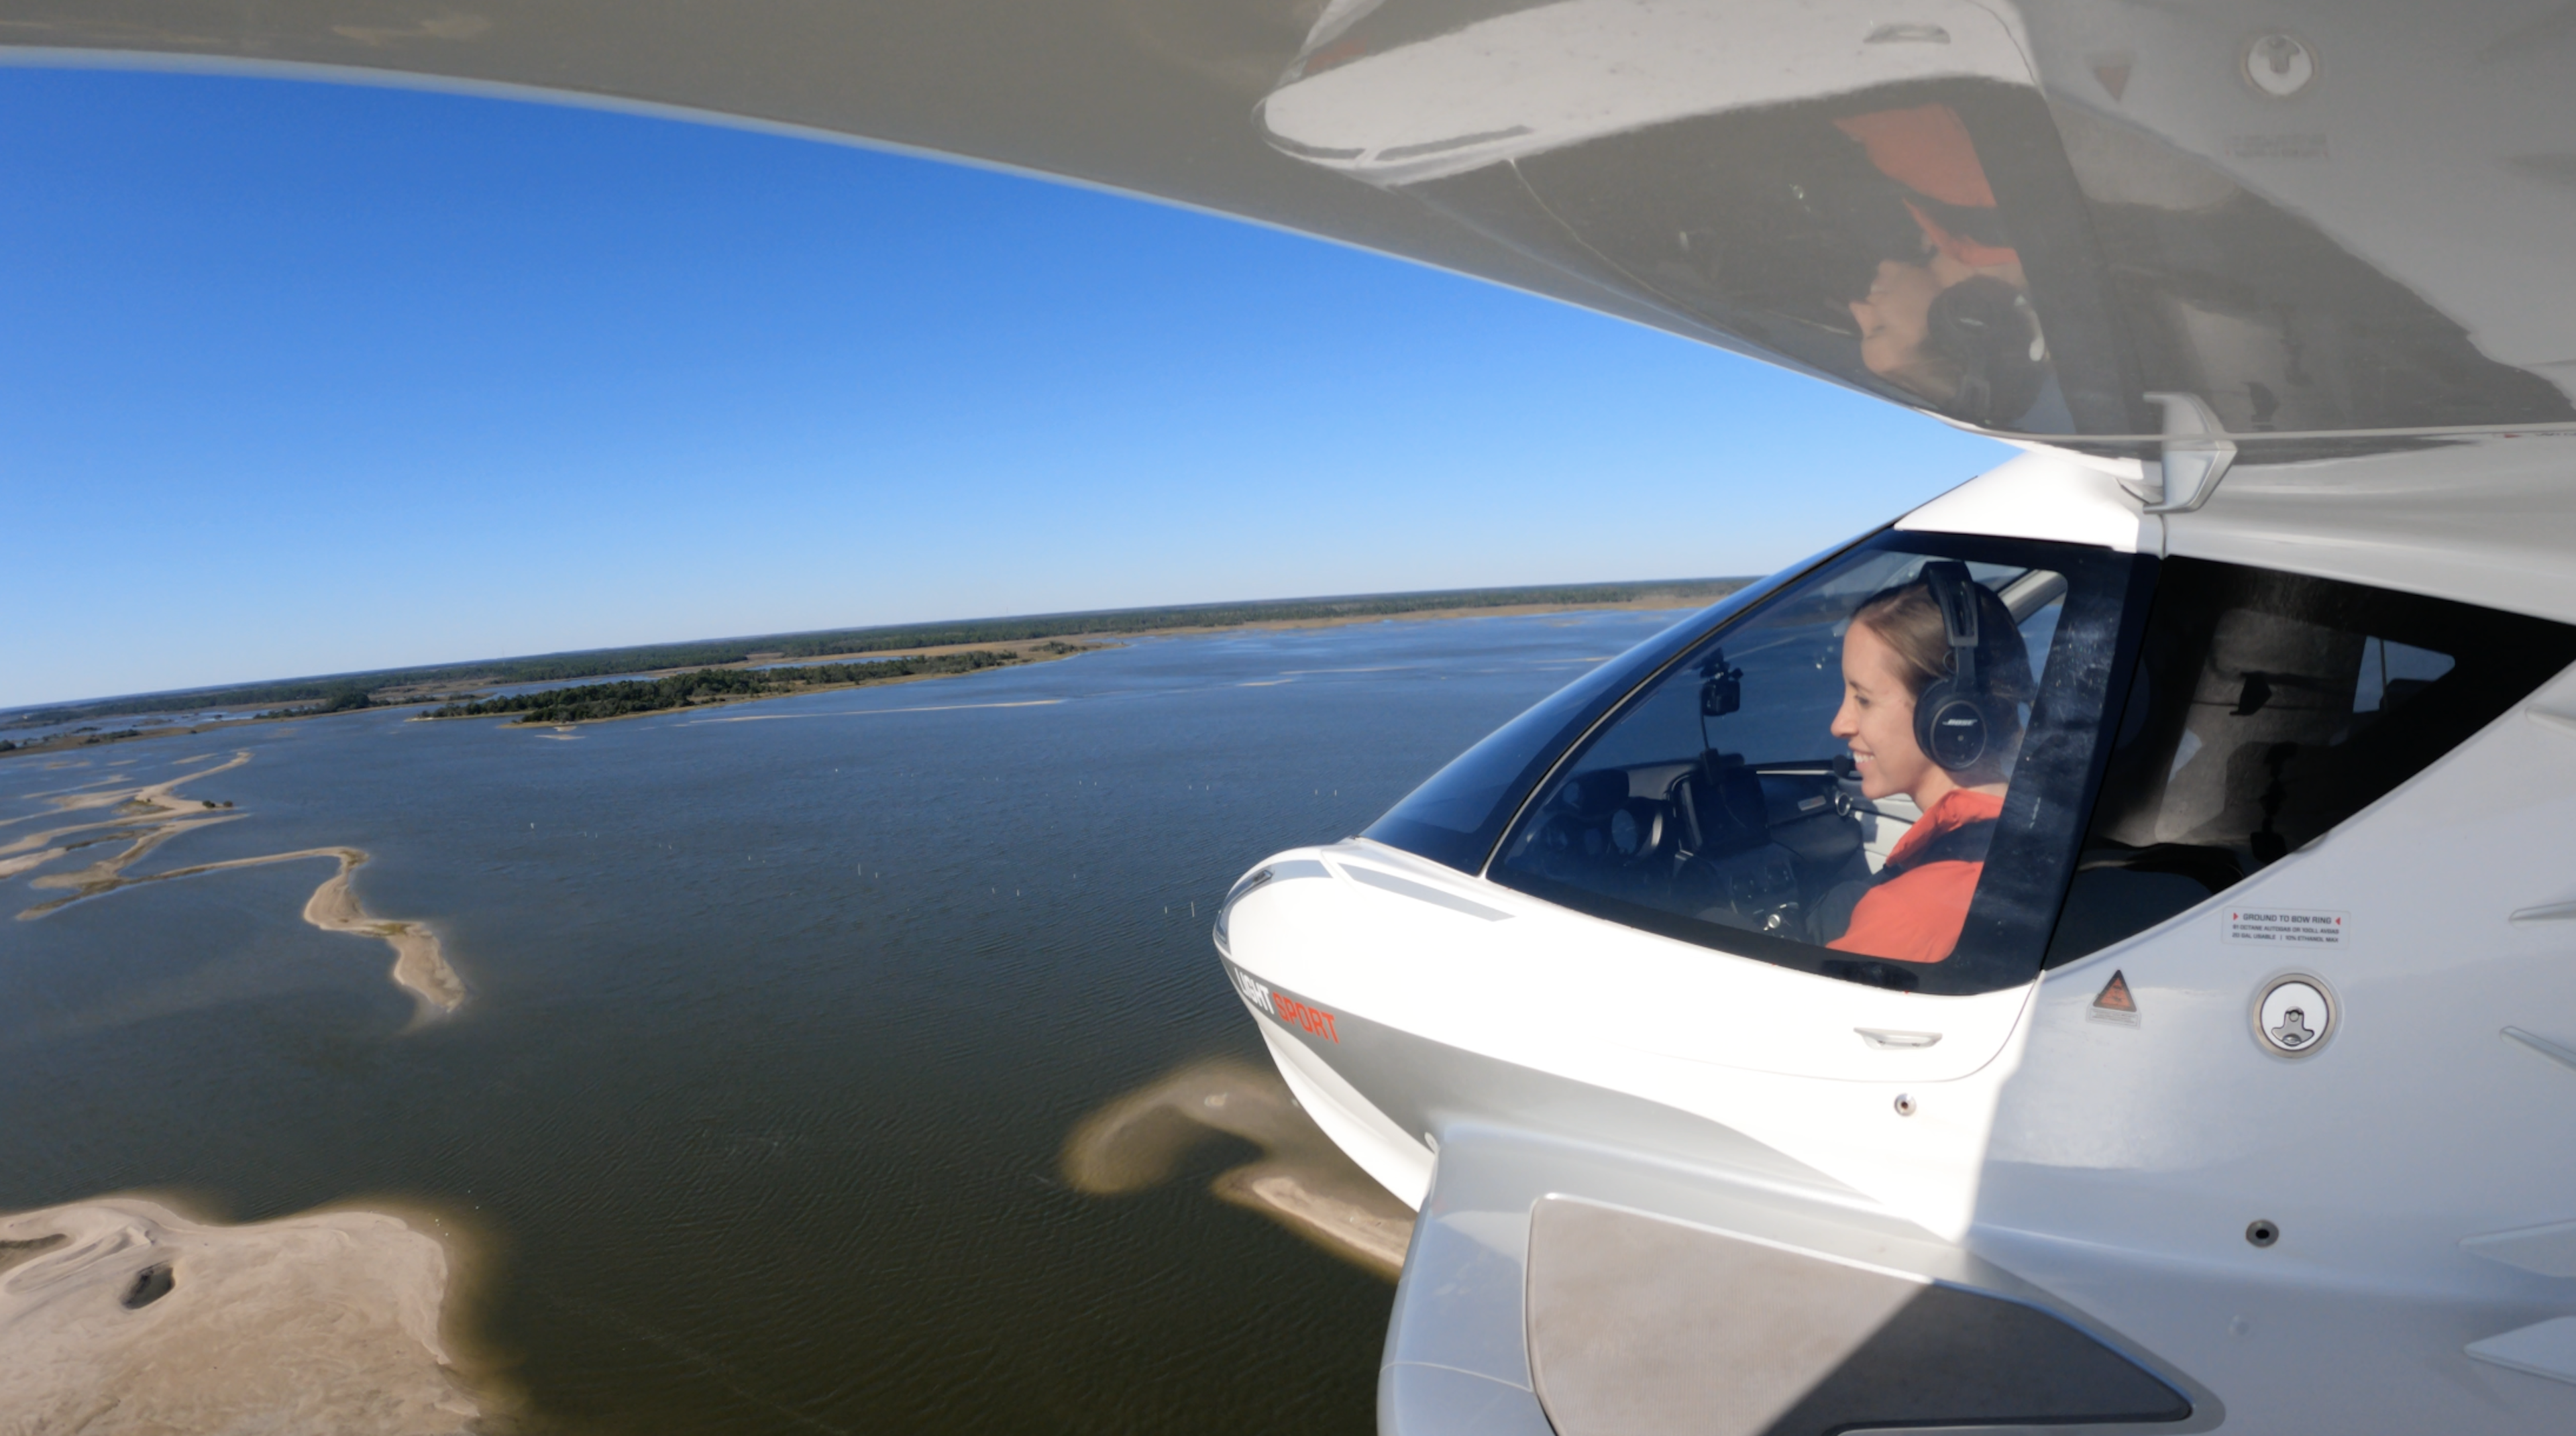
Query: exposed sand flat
x: 159, y: 796
x: 11, y: 867
x: 148, y: 804
x: 1374, y: 1238
x: 420, y: 965
x: 149, y: 812
x: 121, y: 1316
x: 108, y: 873
x: 128, y: 824
x: 1302, y: 1180
x: 153, y: 814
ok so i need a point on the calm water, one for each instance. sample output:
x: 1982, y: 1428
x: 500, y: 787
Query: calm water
x: 777, y: 1027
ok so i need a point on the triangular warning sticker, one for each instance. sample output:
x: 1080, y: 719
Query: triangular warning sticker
x: 2115, y: 995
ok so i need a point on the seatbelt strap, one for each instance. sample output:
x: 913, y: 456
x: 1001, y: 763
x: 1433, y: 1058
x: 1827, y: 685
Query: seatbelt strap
x: 1966, y: 843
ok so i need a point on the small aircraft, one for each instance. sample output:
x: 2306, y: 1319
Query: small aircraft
x: 2093, y: 952
x: 2096, y: 952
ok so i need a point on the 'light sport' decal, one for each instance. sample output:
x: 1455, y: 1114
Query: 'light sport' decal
x: 1313, y: 1019
x: 1287, y: 1009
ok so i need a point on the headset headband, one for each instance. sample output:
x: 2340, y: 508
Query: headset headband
x: 1955, y: 594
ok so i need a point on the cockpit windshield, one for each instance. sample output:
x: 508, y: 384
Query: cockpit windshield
x: 1875, y: 776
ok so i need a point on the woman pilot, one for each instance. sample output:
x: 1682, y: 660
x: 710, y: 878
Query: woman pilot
x: 1934, y: 678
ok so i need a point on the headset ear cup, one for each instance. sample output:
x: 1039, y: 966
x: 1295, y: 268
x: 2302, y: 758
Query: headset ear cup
x: 1950, y: 726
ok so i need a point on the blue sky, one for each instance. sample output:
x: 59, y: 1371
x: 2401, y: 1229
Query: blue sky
x: 302, y: 378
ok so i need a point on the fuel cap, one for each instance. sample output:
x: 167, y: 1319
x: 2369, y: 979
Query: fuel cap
x: 2294, y: 1015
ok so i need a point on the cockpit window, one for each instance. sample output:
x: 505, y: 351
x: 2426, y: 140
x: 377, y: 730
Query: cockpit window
x: 1877, y: 775
x: 1455, y: 817
x: 2266, y: 708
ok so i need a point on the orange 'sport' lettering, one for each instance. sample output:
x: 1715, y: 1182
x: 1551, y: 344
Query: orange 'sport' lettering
x: 1310, y: 1019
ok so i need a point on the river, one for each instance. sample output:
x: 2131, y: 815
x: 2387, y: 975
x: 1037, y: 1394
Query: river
x: 778, y: 1018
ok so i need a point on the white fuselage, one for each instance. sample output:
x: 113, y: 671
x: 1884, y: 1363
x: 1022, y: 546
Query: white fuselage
x: 2414, y: 1172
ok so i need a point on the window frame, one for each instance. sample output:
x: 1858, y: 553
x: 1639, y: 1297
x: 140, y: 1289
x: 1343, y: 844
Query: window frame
x: 2187, y: 594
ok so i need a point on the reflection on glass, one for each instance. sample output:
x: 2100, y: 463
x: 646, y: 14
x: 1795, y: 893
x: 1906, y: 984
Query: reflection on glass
x: 1952, y: 320
x: 1457, y: 815
x: 2264, y: 709
x: 1868, y: 237
x: 1922, y: 216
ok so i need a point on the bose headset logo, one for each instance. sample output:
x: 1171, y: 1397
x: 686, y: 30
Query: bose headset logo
x: 1958, y: 722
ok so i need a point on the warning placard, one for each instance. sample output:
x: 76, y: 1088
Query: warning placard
x: 2288, y: 927
x: 2116, y: 1003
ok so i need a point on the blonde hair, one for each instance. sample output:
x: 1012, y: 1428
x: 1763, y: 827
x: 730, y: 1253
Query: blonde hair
x: 1908, y: 620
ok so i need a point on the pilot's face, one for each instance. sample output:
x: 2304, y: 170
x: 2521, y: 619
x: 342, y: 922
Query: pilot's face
x: 1894, y: 320
x: 1877, y: 716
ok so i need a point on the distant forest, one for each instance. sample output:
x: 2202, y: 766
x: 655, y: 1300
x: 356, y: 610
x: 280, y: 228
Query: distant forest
x: 355, y: 689
x: 681, y: 690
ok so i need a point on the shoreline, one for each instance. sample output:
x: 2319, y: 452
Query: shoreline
x: 402, y: 698
x: 1273, y: 625
x: 1075, y: 650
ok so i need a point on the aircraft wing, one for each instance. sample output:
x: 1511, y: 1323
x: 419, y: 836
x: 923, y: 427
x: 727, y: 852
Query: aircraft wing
x: 2110, y: 227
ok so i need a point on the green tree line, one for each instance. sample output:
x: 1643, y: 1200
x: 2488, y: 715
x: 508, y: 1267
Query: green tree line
x: 681, y: 690
x: 647, y: 658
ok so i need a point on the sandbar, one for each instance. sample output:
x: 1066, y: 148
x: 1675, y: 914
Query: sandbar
x: 121, y: 1315
x: 150, y: 815
x: 1301, y: 1181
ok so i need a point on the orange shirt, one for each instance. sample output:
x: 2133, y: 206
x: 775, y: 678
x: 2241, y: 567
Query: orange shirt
x: 1916, y: 915
x: 1927, y: 149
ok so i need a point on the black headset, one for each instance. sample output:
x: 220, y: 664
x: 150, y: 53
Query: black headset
x: 1989, y: 330
x: 1954, y: 718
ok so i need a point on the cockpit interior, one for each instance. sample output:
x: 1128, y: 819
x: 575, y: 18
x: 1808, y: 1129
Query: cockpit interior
x: 2209, y: 718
